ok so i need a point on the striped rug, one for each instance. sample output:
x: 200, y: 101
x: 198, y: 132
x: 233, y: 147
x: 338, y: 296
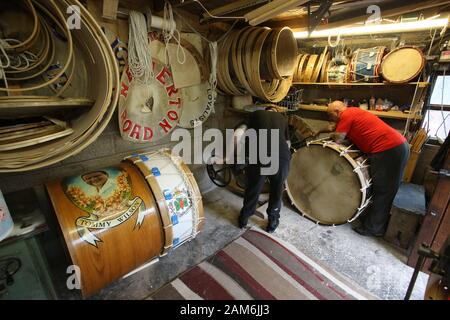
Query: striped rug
x: 260, y: 266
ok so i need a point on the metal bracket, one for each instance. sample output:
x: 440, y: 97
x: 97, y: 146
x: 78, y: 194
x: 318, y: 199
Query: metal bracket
x: 315, y: 17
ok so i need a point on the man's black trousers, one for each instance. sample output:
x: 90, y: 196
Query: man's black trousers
x: 254, y: 184
x: 386, y: 169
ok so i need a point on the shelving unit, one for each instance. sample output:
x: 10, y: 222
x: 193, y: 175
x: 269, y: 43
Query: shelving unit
x: 382, y: 114
x: 362, y: 84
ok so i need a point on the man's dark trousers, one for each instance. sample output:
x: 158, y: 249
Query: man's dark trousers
x: 386, y: 169
x: 254, y: 184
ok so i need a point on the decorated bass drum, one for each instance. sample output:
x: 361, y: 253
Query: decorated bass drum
x: 329, y: 183
x: 365, y: 64
x: 112, y: 223
x: 177, y: 195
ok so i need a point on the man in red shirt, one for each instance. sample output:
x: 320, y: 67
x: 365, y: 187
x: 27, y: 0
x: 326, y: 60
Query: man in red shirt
x: 388, y: 152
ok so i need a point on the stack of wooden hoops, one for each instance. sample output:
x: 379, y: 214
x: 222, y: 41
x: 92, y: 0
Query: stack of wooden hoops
x: 257, y: 61
x: 58, y: 93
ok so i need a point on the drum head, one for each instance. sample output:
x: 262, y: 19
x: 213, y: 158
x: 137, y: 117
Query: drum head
x: 323, y: 186
x: 402, y: 65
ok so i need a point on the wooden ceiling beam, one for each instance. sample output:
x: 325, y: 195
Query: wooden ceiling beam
x: 363, y: 17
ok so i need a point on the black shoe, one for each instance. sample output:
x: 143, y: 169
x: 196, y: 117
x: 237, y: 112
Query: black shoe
x: 365, y: 232
x: 242, y: 222
x: 272, y: 225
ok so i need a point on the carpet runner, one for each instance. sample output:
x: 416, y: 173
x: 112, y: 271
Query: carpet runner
x: 260, y: 266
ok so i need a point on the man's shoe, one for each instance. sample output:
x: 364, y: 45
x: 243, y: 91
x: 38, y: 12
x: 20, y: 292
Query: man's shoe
x: 272, y: 225
x: 242, y: 222
x: 365, y: 232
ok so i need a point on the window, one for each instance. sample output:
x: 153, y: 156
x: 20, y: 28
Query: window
x: 437, y: 123
x: 437, y: 118
x: 441, y: 92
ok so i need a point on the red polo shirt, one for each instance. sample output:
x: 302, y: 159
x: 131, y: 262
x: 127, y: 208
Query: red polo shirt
x: 368, y: 132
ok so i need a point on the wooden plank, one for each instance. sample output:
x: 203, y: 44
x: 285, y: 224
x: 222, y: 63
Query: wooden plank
x: 35, y: 140
x: 433, y: 220
x: 385, y: 14
x: 110, y: 8
x: 382, y: 114
x: 232, y: 7
x: 362, y: 84
x: 20, y: 127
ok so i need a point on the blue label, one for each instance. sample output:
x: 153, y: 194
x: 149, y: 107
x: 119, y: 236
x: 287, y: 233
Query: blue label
x: 155, y: 172
x: 143, y: 158
x: 167, y: 194
x: 174, y: 219
x: 176, y: 241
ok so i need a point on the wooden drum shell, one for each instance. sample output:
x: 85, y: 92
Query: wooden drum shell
x: 120, y: 249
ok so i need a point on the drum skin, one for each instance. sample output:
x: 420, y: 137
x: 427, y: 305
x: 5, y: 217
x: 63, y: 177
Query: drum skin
x: 402, y: 64
x: 125, y: 232
x: 322, y: 185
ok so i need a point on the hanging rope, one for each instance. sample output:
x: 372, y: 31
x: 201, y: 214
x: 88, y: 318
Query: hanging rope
x: 170, y: 32
x: 139, y: 55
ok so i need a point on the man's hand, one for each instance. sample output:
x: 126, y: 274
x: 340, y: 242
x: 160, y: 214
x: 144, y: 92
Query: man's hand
x: 331, y: 127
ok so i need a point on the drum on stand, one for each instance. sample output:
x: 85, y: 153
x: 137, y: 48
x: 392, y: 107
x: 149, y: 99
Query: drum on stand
x: 328, y: 182
x: 117, y: 219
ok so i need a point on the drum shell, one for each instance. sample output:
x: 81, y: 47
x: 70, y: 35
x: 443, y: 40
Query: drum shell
x: 366, y: 64
x: 122, y: 248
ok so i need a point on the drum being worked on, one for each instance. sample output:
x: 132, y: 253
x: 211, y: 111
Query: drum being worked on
x: 329, y: 183
x: 402, y: 64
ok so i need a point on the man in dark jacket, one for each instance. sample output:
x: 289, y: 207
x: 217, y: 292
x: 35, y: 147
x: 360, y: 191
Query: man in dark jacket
x: 256, y: 175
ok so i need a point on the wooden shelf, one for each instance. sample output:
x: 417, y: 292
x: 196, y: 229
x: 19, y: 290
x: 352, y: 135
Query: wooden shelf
x: 358, y: 84
x: 382, y: 114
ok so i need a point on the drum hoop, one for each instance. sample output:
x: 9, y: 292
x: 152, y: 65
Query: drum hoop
x: 188, y: 180
x: 196, y: 196
x: 361, y: 178
x: 160, y: 202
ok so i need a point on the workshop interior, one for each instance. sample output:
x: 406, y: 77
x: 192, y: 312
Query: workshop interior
x: 224, y: 150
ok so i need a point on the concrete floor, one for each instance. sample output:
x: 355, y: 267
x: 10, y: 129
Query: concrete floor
x: 372, y: 263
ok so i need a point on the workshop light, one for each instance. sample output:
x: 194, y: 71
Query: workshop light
x: 375, y: 28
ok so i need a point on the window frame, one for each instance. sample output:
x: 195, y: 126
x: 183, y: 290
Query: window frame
x: 430, y: 106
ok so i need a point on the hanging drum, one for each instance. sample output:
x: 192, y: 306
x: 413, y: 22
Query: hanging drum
x: 149, y: 112
x: 365, y: 64
x: 402, y: 64
x: 112, y: 223
x: 328, y: 182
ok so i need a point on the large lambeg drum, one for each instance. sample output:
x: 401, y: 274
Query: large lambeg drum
x: 117, y: 219
x: 328, y: 182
